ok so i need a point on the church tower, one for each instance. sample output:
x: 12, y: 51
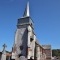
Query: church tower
x: 24, y: 43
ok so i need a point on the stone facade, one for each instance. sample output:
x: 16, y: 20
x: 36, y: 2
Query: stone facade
x: 48, y: 51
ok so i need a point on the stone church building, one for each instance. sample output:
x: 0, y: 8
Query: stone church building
x: 26, y: 46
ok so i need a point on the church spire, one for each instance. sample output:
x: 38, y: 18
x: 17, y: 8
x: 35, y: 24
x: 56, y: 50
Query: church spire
x: 26, y: 12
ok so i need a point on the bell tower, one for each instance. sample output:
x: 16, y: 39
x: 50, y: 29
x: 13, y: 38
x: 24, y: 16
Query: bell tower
x: 24, y: 43
x: 26, y: 19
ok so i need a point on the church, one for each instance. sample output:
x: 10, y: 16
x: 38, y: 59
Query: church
x: 26, y: 46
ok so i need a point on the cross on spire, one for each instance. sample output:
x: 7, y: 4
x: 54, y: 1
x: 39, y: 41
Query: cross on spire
x: 26, y: 12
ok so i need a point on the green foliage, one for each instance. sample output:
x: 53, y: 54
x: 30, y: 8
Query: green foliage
x: 56, y: 52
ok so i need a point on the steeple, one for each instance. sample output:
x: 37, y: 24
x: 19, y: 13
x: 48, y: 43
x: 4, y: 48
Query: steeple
x: 26, y: 19
x: 27, y: 12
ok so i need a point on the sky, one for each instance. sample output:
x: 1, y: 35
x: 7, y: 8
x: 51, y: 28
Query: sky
x: 44, y: 13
